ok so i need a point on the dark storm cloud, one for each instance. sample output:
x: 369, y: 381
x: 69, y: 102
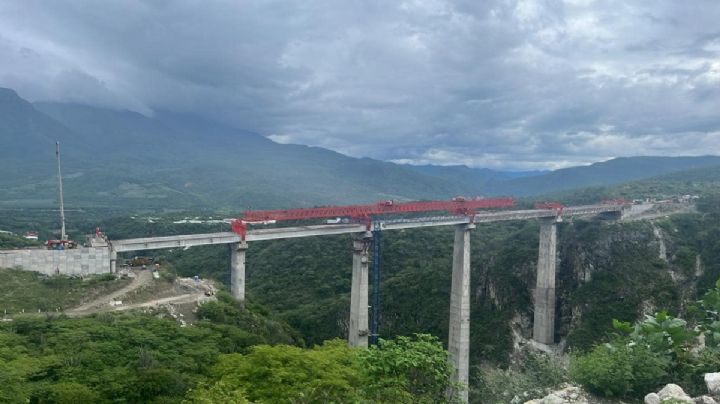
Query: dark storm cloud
x: 502, y: 83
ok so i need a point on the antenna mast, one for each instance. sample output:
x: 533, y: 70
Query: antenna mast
x: 63, y: 236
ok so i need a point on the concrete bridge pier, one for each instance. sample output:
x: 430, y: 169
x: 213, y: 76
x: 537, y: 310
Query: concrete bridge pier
x: 358, y: 327
x: 113, y: 261
x: 459, y: 330
x: 237, y: 270
x: 544, y: 324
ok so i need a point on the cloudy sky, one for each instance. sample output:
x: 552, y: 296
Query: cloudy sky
x: 510, y: 84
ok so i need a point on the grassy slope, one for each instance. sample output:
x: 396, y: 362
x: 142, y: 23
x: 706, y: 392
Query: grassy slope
x: 31, y: 291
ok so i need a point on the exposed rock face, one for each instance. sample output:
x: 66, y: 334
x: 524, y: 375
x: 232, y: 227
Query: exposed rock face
x: 662, y: 248
x: 712, y: 381
x: 673, y: 391
x: 652, y: 398
x: 568, y: 395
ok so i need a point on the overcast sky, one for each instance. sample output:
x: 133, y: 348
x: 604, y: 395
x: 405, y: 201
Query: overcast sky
x: 509, y: 84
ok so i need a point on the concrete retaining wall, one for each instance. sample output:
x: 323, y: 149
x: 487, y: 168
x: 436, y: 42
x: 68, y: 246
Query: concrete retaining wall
x: 80, y: 261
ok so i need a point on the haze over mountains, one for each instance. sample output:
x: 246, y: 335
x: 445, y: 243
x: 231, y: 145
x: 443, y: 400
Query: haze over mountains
x: 169, y: 160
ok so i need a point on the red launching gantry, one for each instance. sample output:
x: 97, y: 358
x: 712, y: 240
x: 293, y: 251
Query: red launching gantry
x: 363, y: 213
x: 557, y: 207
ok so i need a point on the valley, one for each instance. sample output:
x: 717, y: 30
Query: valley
x: 319, y: 202
x: 606, y: 271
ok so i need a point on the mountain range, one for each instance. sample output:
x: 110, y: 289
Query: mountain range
x: 168, y: 160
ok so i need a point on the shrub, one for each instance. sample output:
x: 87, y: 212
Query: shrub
x: 710, y: 322
x: 68, y: 393
x: 619, y: 369
x: 408, y: 370
x: 530, y: 375
x: 663, y: 334
x: 689, y: 374
x: 287, y: 374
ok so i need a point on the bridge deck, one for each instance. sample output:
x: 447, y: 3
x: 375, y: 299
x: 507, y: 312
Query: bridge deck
x: 191, y: 240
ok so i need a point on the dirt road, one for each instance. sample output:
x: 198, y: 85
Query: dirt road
x: 142, y: 278
x: 194, y: 292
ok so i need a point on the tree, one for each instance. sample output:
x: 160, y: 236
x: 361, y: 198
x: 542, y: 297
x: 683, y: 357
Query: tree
x: 408, y: 370
x: 220, y: 392
x: 286, y: 374
x: 619, y: 369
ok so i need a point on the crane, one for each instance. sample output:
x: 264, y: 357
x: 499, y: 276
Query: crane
x: 364, y: 213
x: 63, y: 236
x: 64, y: 242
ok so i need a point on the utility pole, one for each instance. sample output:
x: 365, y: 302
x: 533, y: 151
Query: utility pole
x: 63, y: 236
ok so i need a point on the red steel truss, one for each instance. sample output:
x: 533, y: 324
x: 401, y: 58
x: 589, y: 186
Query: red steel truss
x: 557, y: 207
x: 456, y: 206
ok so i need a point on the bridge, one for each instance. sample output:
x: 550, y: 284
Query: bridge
x: 459, y: 330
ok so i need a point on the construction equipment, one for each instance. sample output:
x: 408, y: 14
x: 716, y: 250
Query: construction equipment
x: 141, y: 261
x: 60, y: 244
x: 63, y: 243
x: 63, y: 236
x: 364, y: 213
x: 557, y: 207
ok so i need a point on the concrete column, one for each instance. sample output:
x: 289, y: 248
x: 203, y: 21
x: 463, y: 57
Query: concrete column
x: 544, y: 325
x: 459, y: 338
x: 113, y: 262
x: 358, y: 327
x: 237, y: 270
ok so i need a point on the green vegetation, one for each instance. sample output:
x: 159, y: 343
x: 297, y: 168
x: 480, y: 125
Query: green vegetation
x: 32, y: 291
x: 306, y: 282
x: 530, y: 374
x: 153, y: 163
x: 606, y: 271
x: 403, y: 371
x: 131, y: 357
x: 657, y: 170
x: 12, y: 241
x: 655, y: 351
x: 138, y: 358
x: 407, y: 370
x: 264, y: 329
x: 619, y: 370
x: 299, y: 297
x: 627, y: 275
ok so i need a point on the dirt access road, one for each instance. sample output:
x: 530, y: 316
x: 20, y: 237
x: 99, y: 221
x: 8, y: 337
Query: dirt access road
x: 197, y: 292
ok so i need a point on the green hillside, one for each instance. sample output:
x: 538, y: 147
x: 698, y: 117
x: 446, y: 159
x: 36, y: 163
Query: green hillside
x: 611, y: 172
x: 170, y: 161
x: 121, y: 158
x: 607, y: 173
x: 696, y: 181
